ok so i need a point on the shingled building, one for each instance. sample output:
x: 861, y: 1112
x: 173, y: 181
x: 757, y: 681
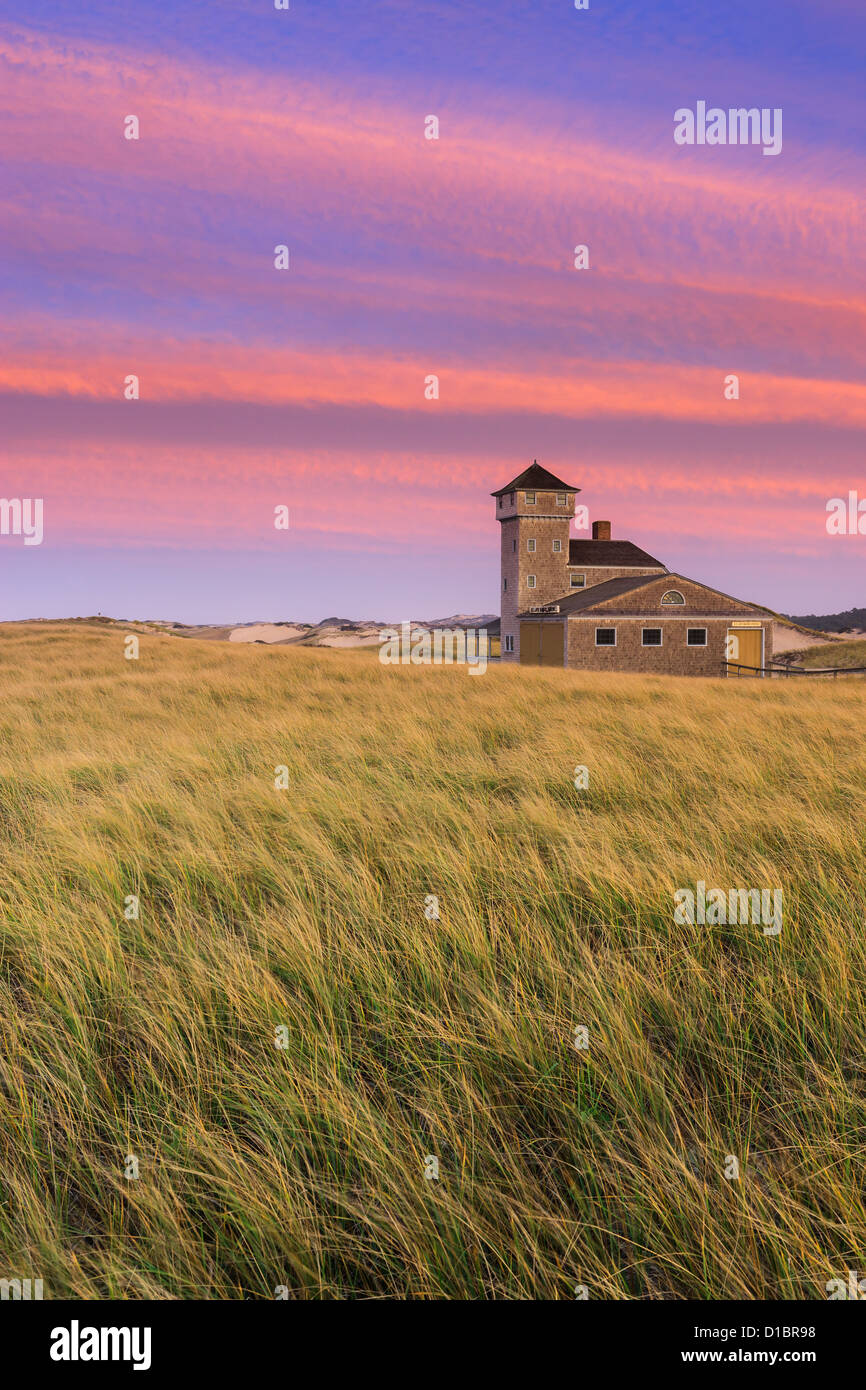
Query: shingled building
x: 605, y: 604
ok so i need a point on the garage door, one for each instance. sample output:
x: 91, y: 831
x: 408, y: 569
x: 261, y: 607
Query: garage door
x: 552, y: 637
x: 530, y: 644
x: 542, y: 644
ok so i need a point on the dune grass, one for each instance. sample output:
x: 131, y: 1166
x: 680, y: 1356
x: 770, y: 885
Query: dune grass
x: 303, y: 910
x: 835, y: 654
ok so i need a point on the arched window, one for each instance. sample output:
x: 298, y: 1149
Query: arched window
x: 673, y: 596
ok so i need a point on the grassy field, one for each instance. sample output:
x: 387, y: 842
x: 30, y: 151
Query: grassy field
x: 304, y: 910
x: 840, y: 654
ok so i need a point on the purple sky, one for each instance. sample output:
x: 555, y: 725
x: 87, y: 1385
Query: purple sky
x: 412, y: 257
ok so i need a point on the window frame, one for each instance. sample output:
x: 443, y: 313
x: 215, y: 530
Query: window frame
x: 530, y: 498
x: 605, y: 644
x: 530, y: 545
x: 690, y: 630
x: 531, y: 581
x: 562, y: 499
x: 571, y: 579
x: 645, y: 630
x: 557, y: 547
x: 509, y: 641
x: 678, y: 602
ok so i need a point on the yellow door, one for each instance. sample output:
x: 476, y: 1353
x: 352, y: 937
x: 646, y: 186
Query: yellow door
x: 744, y: 647
x: 552, y: 635
x: 530, y: 644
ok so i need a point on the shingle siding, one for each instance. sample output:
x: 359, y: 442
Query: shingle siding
x: 599, y: 574
x: 673, y: 657
x: 697, y: 596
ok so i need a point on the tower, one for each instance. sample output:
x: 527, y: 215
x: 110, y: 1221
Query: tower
x: 534, y: 511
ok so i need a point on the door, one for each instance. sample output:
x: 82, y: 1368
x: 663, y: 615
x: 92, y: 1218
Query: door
x: 542, y: 644
x: 745, y: 645
x: 530, y: 644
x: 552, y: 643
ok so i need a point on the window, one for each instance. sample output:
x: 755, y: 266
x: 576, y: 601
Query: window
x: 578, y: 581
x: 530, y: 546
x: 557, y: 547
x: 514, y: 546
x: 561, y: 499
x: 605, y: 636
x: 511, y: 497
x: 696, y: 637
x: 672, y: 596
x: 504, y: 585
x: 530, y: 499
x: 530, y: 581
x: 651, y: 637
x: 509, y: 643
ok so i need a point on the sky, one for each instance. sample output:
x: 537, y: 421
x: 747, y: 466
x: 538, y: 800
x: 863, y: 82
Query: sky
x: 409, y: 258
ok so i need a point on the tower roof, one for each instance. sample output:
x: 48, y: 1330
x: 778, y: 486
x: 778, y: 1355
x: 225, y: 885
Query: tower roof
x: 536, y: 477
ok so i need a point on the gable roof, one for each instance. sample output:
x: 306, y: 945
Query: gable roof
x: 622, y: 554
x: 536, y: 477
x: 597, y: 595
x: 581, y: 599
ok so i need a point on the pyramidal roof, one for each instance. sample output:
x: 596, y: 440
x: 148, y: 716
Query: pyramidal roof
x: 536, y: 477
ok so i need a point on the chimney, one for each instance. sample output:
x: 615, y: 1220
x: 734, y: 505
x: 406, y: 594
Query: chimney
x: 601, y: 530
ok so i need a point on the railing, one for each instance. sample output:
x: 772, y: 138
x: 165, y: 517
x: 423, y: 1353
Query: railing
x: 739, y: 668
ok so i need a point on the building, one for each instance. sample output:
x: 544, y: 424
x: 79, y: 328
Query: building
x: 605, y: 604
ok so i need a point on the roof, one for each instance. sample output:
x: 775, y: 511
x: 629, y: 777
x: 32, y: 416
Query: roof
x: 622, y: 554
x: 536, y: 477
x: 586, y: 600
x: 597, y: 593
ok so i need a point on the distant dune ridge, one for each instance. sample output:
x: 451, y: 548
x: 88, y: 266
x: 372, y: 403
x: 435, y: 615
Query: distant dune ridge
x: 330, y: 632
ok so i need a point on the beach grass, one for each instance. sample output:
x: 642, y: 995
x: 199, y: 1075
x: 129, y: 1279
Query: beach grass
x: 285, y: 1036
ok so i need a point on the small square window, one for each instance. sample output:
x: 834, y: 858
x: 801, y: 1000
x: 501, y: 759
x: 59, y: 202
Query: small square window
x: 509, y: 643
x: 578, y: 581
x: 605, y: 636
x: 651, y: 637
x: 557, y: 547
x: 530, y: 581
x: 530, y: 499
x: 696, y: 637
x: 561, y: 499
x: 530, y: 546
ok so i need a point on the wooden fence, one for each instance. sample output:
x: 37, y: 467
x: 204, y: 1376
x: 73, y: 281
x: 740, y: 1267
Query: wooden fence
x: 737, y: 667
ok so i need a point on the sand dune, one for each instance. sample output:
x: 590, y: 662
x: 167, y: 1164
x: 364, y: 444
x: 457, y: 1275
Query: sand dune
x: 266, y: 632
